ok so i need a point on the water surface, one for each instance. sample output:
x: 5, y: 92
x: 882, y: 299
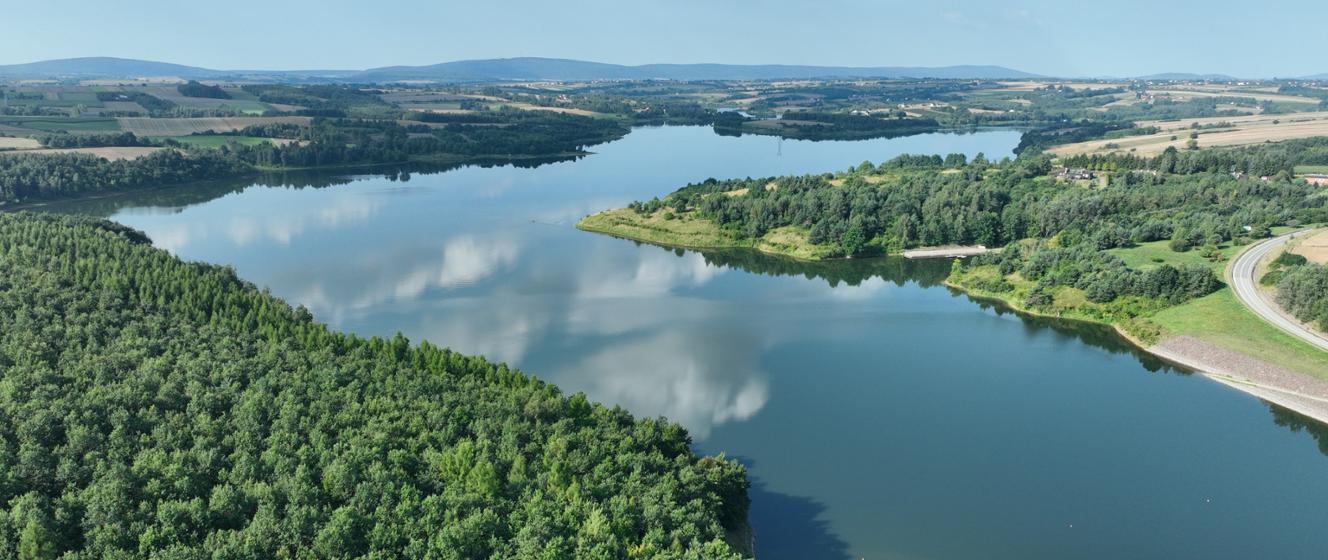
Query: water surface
x: 881, y: 415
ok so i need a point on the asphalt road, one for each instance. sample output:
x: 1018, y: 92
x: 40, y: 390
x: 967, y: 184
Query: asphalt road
x: 1247, y: 290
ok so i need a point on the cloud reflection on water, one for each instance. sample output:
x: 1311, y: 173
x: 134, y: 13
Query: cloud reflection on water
x: 697, y: 378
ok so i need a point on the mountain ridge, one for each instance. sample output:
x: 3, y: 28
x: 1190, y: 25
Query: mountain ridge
x: 541, y: 68
x: 519, y: 68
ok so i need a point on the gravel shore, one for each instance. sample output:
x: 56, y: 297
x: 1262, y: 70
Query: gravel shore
x: 1299, y: 392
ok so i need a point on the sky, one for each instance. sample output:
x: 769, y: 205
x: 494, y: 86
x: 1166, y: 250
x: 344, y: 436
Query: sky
x: 1273, y: 38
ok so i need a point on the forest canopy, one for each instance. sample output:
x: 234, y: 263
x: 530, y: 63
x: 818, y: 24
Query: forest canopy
x: 155, y: 408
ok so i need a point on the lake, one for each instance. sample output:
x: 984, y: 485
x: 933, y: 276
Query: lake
x: 880, y: 414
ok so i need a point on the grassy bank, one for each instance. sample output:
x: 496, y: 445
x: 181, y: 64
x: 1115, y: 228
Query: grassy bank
x: 1127, y: 315
x: 1217, y: 318
x: 1221, y: 319
x: 686, y: 230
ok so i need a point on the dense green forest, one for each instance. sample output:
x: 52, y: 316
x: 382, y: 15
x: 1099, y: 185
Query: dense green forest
x: 95, y: 140
x: 155, y: 408
x: 814, y: 125
x: 325, y: 143
x: 1055, y: 233
x: 1302, y: 289
x: 931, y: 200
x: 193, y: 88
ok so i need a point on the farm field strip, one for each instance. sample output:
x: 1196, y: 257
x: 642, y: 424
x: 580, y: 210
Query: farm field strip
x: 1246, y: 130
x: 184, y: 127
x: 113, y: 154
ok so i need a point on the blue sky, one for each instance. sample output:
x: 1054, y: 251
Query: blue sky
x: 1055, y: 37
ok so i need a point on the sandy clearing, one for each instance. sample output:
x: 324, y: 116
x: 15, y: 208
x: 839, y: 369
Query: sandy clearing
x: 19, y: 143
x: 112, y: 154
x: 1314, y: 248
x: 945, y: 252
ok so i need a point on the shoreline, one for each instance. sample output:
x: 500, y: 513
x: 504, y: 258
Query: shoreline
x: 1262, y: 380
x: 585, y: 225
x: 763, y: 246
x: 258, y: 172
x: 1260, y: 385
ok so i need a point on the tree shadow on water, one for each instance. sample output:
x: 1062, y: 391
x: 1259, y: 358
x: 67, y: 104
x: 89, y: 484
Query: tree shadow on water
x: 790, y: 527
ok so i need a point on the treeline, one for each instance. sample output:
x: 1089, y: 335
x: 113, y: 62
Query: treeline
x: 1102, y: 276
x: 29, y: 177
x: 1265, y: 160
x: 1054, y: 234
x: 326, y: 100
x: 157, y: 408
x: 904, y: 203
x: 154, y: 105
x: 326, y: 142
x: 102, y: 140
x: 812, y: 125
x: 193, y: 88
x: 1047, y: 136
x: 1303, y: 291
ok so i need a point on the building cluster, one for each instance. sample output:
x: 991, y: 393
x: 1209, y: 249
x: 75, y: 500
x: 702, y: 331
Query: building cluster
x: 1073, y: 174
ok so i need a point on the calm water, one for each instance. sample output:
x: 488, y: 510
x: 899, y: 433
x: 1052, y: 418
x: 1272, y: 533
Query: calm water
x: 882, y: 416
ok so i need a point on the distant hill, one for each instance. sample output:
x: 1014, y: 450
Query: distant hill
x: 103, y: 67
x: 529, y: 68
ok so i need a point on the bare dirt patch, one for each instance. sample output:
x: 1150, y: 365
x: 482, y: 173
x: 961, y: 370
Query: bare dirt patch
x: 1314, y: 248
x: 112, y: 154
x: 18, y: 143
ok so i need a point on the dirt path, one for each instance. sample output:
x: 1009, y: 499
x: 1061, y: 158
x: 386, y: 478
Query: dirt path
x: 944, y: 252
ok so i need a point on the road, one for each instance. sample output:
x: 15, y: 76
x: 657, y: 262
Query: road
x: 1247, y: 290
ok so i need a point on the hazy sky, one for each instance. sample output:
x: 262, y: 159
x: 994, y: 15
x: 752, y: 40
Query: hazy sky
x: 1056, y: 37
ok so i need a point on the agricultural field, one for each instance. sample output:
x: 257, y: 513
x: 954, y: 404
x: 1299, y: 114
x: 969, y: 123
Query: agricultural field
x: 1252, y: 129
x: 188, y: 126
x: 1033, y: 85
x: 240, y: 100
x: 1182, y: 93
x: 8, y: 143
x: 124, y: 107
x: 38, y: 125
x: 1313, y: 248
x: 217, y: 140
x: 113, y: 153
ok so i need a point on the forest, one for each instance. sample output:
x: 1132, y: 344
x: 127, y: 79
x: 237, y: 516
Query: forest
x: 325, y: 143
x: 813, y: 125
x: 1302, y: 289
x: 193, y: 88
x: 1054, y: 233
x: 156, y: 408
x: 929, y: 201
